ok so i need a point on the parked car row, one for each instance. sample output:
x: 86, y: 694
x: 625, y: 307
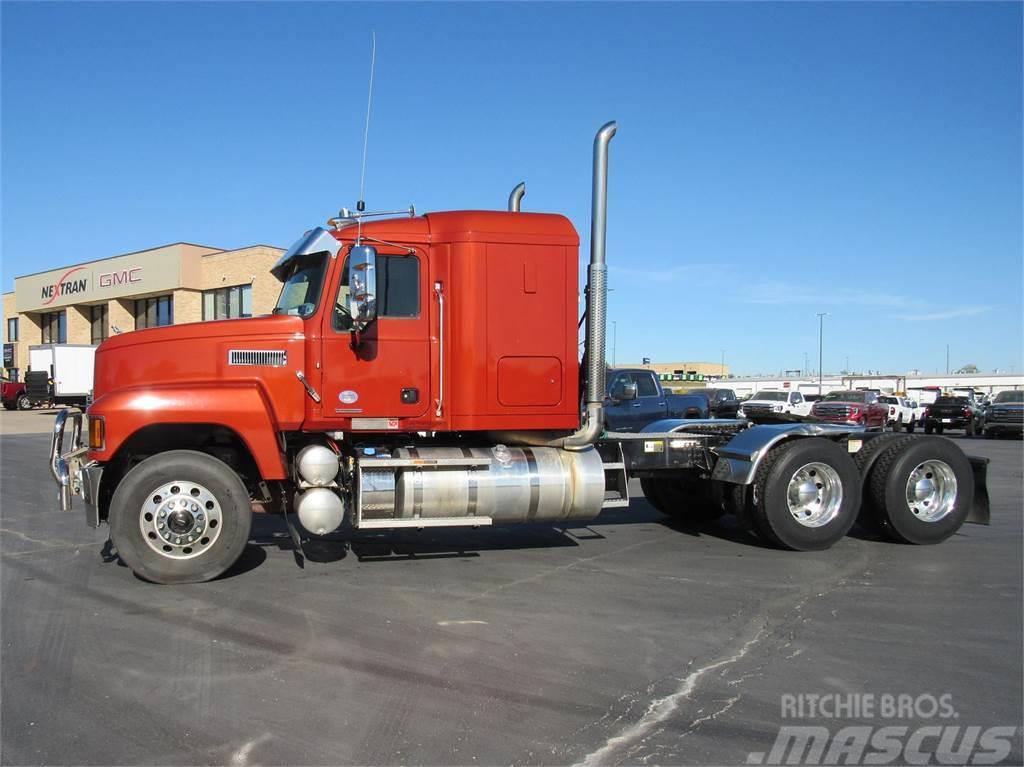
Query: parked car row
x: 636, y: 398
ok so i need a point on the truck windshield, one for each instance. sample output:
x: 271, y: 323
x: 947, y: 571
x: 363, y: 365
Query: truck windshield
x: 1010, y: 396
x: 773, y: 396
x: 302, y: 284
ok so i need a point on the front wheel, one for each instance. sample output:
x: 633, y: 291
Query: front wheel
x: 24, y: 403
x: 180, y: 517
x: 806, y: 494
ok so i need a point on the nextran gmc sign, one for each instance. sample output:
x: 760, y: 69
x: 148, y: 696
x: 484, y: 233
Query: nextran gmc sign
x: 151, y: 271
x: 72, y: 282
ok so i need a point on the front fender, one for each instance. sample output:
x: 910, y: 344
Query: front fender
x: 243, y: 408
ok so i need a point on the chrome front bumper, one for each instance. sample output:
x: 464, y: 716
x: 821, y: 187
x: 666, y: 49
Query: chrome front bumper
x: 73, y: 474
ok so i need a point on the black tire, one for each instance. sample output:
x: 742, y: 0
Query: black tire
x: 24, y: 403
x: 927, y: 428
x: 969, y: 429
x: 135, y: 493
x: 938, y: 429
x: 911, y: 426
x: 652, y: 492
x: 872, y: 447
x: 989, y: 434
x: 888, y: 487
x: 682, y: 498
x: 770, y: 505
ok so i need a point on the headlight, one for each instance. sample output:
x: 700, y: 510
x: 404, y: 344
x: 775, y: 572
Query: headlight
x: 777, y: 408
x: 740, y: 413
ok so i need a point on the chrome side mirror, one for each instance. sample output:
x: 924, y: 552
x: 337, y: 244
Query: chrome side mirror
x: 362, y: 281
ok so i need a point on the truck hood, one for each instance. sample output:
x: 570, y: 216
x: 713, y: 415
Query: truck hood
x: 261, y: 351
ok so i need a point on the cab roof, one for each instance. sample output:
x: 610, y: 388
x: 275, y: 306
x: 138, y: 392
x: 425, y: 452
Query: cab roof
x: 470, y: 226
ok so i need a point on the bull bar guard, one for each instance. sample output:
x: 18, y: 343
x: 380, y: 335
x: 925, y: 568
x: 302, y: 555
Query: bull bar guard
x: 72, y: 474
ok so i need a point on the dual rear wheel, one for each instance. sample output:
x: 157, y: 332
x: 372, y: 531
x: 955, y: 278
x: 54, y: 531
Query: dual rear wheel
x: 808, y: 493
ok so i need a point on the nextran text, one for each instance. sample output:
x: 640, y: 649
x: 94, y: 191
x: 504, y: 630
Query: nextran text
x: 64, y: 288
x: 867, y: 706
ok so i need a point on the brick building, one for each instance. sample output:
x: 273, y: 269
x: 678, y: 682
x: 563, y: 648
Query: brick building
x: 168, y: 285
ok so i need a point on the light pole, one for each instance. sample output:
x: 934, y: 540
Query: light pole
x: 614, y: 329
x: 821, y: 334
x: 947, y: 359
x: 722, y: 374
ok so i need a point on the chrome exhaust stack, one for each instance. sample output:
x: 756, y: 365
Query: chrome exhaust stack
x: 597, y: 295
x: 516, y: 198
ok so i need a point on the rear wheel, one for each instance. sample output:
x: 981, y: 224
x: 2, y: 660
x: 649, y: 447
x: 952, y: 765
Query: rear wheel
x: 180, y: 517
x: 910, y: 426
x: 927, y: 428
x: 24, y: 403
x: 682, y: 498
x: 921, y: 492
x: 969, y: 429
x: 806, y: 494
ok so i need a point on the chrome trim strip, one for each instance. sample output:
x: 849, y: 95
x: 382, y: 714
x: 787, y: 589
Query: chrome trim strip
x: 439, y: 292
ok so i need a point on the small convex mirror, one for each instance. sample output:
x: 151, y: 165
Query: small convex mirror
x: 362, y: 280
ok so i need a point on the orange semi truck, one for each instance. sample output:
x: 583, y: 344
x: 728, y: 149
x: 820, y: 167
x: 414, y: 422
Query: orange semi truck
x: 422, y: 371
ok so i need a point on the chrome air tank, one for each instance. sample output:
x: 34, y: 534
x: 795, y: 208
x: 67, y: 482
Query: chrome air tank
x: 507, y: 484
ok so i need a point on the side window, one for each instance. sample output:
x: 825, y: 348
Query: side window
x: 645, y: 386
x: 398, y: 291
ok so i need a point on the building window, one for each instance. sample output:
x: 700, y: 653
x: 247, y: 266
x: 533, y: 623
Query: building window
x: 14, y: 374
x: 12, y: 329
x: 154, y: 312
x: 99, y: 323
x: 55, y: 327
x: 227, y: 303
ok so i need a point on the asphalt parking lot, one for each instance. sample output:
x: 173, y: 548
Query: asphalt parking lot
x: 629, y: 640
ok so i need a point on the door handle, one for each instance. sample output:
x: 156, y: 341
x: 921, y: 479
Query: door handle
x: 636, y: 404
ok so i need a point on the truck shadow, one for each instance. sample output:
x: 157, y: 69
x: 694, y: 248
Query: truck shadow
x: 270, y: 532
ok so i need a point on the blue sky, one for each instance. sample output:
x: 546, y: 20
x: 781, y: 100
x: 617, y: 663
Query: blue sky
x: 773, y: 160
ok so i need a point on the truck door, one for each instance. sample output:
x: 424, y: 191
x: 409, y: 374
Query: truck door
x: 388, y: 374
x: 652, y: 401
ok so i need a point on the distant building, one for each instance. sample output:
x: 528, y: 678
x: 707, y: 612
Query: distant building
x: 168, y: 285
x: 683, y: 371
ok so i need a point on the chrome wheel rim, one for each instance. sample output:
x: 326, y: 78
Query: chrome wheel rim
x: 180, y: 520
x: 814, y: 494
x: 931, y: 491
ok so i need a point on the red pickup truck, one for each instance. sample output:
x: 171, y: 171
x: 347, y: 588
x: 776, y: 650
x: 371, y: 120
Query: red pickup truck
x: 13, y: 395
x: 857, y: 408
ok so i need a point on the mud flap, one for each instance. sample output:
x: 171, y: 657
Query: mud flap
x: 980, y: 508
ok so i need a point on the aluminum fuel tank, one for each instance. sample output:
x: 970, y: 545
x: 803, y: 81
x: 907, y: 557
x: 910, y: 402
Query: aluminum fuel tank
x: 517, y: 484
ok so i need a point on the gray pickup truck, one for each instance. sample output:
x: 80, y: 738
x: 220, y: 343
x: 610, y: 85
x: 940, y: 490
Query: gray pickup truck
x: 635, y: 398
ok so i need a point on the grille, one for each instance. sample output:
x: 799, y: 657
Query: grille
x: 757, y: 408
x: 832, y: 411
x: 1007, y: 416
x: 268, y: 358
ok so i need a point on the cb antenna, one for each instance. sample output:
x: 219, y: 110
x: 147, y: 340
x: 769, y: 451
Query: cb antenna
x: 361, y: 205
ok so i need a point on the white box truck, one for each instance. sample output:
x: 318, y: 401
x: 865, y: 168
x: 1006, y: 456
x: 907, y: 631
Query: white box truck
x: 60, y: 374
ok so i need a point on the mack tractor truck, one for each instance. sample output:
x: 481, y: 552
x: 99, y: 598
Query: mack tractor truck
x: 423, y: 371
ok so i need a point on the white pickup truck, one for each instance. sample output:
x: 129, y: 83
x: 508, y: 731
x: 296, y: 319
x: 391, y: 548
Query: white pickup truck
x: 903, y: 413
x: 775, y: 405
